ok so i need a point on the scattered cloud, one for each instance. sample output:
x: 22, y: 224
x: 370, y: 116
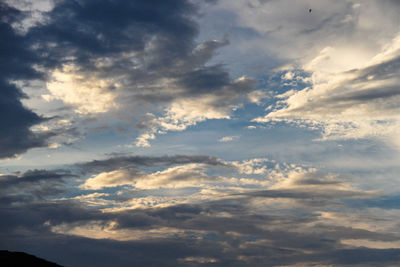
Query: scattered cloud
x: 228, y: 138
x: 345, y: 101
x: 90, y: 79
x: 189, y: 111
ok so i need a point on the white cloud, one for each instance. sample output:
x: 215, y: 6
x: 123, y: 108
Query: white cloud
x: 309, y: 179
x: 85, y: 93
x: 109, y: 230
x: 258, y: 173
x: 108, y: 179
x: 186, y: 112
x: 295, y: 34
x: 257, y: 96
x: 254, y: 166
x: 348, y: 98
x: 340, y: 46
x: 337, y: 43
x: 181, y: 114
x: 228, y: 138
x: 174, y: 177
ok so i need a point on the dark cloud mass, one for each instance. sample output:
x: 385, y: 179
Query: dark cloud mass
x: 87, y: 29
x: 16, y: 63
x: 114, y: 163
x: 33, y: 185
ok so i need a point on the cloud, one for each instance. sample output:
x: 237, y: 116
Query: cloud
x: 187, y: 112
x: 33, y: 184
x: 17, y: 63
x: 114, y: 178
x: 371, y: 243
x: 200, y: 260
x: 189, y: 175
x: 187, y: 180
x: 118, y: 162
x: 294, y: 35
x: 256, y: 166
x: 99, y: 230
x: 235, y: 238
x: 33, y: 13
x: 350, y: 103
x: 89, y: 95
x: 121, y: 62
x: 257, y: 96
x: 182, y: 171
x: 143, y: 65
x: 125, y: 60
x: 223, y: 223
x: 228, y: 138
x: 331, y: 79
x: 310, y: 179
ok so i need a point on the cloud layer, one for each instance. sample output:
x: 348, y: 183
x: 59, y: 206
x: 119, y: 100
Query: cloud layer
x: 253, y: 212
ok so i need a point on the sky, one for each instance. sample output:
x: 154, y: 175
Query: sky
x: 201, y: 132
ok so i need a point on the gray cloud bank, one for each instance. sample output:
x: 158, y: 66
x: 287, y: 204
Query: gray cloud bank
x: 302, y: 217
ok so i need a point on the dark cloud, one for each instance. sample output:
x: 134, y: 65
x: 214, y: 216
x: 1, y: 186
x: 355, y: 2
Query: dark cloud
x: 242, y: 238
x: 81, y: 32
x: 33, y: 184
x: 205, y: 79
x: 34, y: 176
x: 115, y: 163
x: 306, y: 193
x: 254, y: 228
x: 87, y: 29
x: 16, y: 63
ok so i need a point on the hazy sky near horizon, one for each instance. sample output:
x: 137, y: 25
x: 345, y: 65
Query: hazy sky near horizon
x: 196, y: 133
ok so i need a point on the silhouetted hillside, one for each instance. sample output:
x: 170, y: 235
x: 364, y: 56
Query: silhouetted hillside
x: 19, y: 259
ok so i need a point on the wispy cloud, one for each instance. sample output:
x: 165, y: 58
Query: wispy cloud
x: 228, y: 138
x: 351, y: 104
